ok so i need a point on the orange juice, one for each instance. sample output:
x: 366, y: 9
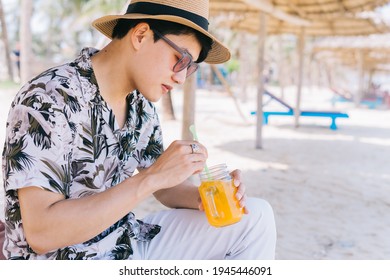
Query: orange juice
x: 221, y: 206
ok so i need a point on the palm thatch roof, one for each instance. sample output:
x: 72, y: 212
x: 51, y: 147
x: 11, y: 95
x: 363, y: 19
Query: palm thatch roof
x: 305, y: 9
x: 343, y: 26
x: 327, y: 9
x: 319, y: 17
x: 374, y: 51
x: 303, y: 17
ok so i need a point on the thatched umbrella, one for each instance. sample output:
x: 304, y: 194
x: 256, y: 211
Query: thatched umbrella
x: 259, y: 10
x: 216, y: 8
x: 342, y: 26
x: 249, y: 6
x: 326, y: 17
x: 327, y: 9
x: 367, y: 54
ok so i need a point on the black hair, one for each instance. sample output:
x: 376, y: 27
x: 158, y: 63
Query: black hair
x: 123, y: 26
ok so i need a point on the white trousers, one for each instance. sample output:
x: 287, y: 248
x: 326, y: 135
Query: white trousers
x: 185, y: 234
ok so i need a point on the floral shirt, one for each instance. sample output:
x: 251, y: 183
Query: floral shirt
x: 63, y: 137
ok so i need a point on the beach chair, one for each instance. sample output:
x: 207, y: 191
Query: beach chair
x: 333, y: 115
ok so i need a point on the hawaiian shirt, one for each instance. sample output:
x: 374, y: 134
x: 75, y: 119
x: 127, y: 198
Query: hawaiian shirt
x: 63, y: 137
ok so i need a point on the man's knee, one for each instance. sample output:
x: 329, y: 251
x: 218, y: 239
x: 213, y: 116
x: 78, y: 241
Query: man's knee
x: 261, y: 208
x: 261, y: 216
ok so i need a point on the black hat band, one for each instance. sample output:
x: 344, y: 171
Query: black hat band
x: 158, y: 9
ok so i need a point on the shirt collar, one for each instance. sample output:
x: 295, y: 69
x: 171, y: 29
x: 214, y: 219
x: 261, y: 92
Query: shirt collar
x: 84, y: 64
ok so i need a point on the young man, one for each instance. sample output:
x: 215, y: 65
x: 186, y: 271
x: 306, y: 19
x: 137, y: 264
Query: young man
x: 77, y: 132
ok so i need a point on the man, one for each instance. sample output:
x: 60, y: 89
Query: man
x: 77, y: 132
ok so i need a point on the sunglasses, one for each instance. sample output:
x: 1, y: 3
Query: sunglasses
x: 185, y: 60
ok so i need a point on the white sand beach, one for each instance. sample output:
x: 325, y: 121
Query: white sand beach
x: 330, y: 190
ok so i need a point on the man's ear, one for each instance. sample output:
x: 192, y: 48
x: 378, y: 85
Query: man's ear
x: 139, y: 33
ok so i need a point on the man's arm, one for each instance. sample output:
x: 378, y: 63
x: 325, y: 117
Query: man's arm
x: 50, y: 221
x: 185, y: 195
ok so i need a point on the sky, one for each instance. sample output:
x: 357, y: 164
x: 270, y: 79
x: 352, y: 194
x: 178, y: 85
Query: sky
x: 385, y: 12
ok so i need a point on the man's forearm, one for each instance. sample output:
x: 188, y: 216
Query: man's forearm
x: 185, y: 195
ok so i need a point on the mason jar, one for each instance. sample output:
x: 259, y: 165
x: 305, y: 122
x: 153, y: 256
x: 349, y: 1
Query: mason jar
x: 218, y: 195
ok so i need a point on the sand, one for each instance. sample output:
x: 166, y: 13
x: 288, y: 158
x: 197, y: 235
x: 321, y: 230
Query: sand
x: 330, y: 190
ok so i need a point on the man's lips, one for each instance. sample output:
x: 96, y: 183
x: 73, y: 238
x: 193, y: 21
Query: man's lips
x: 167, y: 87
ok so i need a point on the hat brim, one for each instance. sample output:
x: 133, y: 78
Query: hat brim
x: 217, y: 54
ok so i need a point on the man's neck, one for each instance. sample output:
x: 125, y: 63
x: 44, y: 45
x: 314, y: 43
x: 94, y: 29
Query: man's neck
x: 111, y: 76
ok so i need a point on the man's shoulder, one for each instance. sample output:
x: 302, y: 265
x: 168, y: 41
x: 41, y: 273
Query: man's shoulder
x: 64, y: 83
x: 81, y: 65
x: 59, y: 72
x: 58, y: 81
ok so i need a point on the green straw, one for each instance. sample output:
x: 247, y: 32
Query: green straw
x: 195, y: 137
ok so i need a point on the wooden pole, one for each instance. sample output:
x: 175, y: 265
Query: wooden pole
x: 4, y: 34
x: 167, y: 107
x: 360, y: 92
x: 188, y: 106
x: 260, y: 81
x: 281, y: 69
x: 25, y: 41
x: 301, y: 47
x: 243, y: 71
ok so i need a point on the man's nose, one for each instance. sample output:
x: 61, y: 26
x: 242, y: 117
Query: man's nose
x: 180, y: 77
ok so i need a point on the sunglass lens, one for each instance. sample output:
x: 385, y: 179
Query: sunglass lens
x: 182, y: 63
x: 192, y: 68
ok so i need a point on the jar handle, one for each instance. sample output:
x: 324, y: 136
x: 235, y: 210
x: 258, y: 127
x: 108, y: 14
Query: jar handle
x: 210, y: 195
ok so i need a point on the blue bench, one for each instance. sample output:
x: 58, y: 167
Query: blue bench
x: 333, y: 115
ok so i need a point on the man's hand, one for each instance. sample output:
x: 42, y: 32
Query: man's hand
x: 240, y: 195
x: 241, y: 191
x: 178, y: 162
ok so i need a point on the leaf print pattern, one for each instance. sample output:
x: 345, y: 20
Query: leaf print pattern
x: 62, y: 136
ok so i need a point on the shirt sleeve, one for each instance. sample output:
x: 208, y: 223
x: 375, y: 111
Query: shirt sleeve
x: 37, y: 143
x: 154, y: 147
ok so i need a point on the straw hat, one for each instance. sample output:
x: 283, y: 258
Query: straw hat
x: 186, y: 12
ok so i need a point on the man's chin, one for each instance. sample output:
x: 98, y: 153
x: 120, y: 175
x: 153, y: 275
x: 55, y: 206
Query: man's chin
x: 154, y: 99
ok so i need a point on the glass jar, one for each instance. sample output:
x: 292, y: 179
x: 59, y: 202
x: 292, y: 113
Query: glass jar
x: 218, y: 195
